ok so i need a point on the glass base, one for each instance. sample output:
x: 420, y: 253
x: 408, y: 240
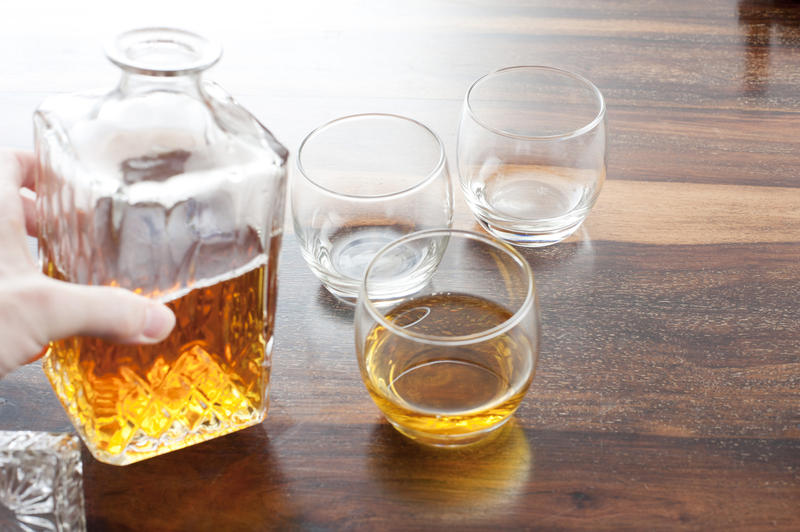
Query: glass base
x: 402, y: 272
x: 392, y: 295
x: 528, y: 236
x: 195, y: 400
x: 448, y: 440
x: 143, y: 447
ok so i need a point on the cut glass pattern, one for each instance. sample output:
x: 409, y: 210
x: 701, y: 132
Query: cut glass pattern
x: 41, y: 486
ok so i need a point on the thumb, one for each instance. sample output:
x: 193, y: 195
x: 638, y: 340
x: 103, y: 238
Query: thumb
x: 110, y: 313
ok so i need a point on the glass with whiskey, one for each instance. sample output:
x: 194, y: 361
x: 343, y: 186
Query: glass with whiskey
x: 450, y: 362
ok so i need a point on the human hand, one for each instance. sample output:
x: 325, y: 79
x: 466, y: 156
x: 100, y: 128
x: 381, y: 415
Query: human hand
x: 36, y: 309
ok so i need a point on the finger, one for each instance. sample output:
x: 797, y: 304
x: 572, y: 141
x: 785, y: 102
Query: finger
x: 19, y: 166
x: 106, y: 312
x: 29, y: 209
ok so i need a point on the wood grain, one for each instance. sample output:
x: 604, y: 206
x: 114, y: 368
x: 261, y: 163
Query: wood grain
x: 668, y: 389
x: 693, y: 213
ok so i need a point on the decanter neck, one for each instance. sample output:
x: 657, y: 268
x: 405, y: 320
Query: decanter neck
x: 131, y: 84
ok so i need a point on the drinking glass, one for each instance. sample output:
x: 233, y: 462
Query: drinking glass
x: 532, y: 152
x: 450, y: 363
x: 364, y: 181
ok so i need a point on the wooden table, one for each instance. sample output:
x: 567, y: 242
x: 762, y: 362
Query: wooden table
x: 668, y: 389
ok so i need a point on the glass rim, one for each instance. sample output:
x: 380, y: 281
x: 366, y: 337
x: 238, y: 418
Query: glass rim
x: 561, y: 136
x: 466, y: 339
x: 207, y: 51
x: 417, y: 184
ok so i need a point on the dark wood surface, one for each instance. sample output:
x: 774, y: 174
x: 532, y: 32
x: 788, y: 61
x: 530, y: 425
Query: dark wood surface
x: 668, y: 389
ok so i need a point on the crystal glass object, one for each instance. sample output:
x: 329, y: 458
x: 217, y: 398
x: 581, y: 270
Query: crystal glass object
x: 165, y: 186
x: 41, y: 486
x: 532, y: 153
x: 362, y: 182
x: 450, y: 362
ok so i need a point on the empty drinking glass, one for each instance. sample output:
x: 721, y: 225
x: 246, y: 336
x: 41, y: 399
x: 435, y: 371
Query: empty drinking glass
x: 364, y: 181
x: 532, y: 152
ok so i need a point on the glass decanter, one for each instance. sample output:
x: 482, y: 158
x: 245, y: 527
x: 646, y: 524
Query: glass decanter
x: 167, y: 187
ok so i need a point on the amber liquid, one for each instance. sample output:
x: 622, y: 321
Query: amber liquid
x: 208, y: 378
x: 447, y: 395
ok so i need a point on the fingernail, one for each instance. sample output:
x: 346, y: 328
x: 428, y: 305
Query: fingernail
x: 158, y: 322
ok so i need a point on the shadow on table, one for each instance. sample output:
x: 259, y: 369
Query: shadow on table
x: 451, y: 483
x: 577, y: 250
x: 229, y: 483
x: 332, y: 307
